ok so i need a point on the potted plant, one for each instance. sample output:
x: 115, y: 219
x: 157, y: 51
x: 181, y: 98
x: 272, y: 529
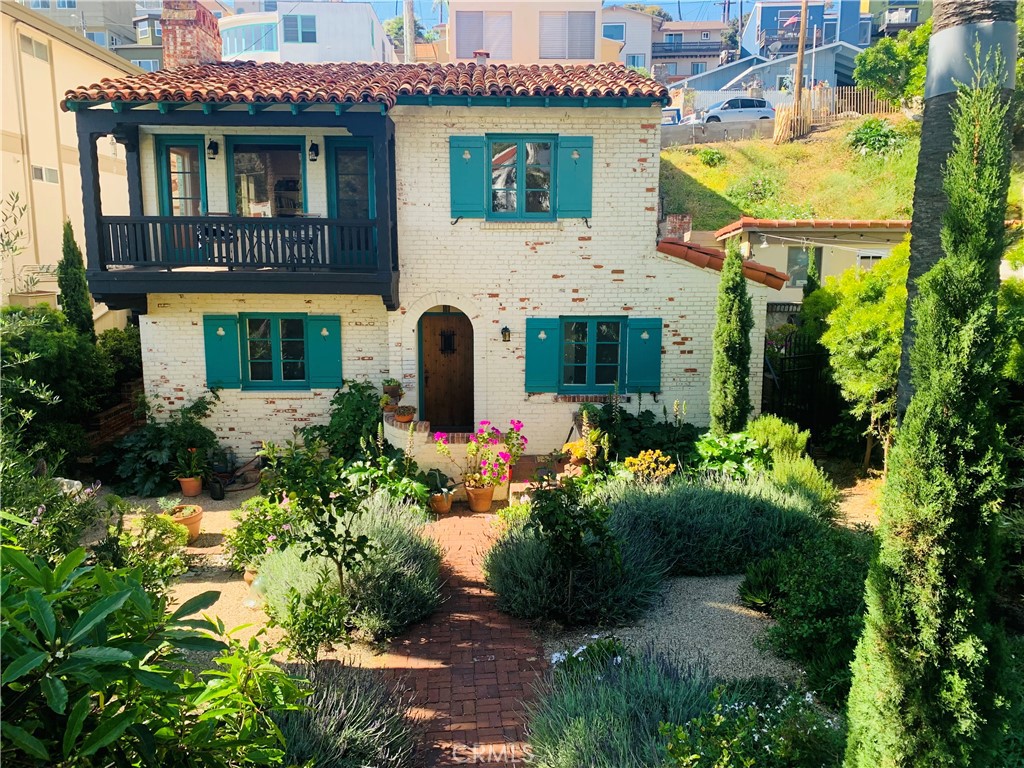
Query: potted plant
x: 387, y: 405
x: 189, y: 515
x: 490, y: 455
x: 393, y: 389
x: 404, y: 414
x: 190, y: 471
x: 440, y: 492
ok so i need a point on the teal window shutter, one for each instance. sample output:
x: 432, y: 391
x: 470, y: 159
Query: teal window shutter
x: 643, y: 354
x: 542, y: 354
x: 323, y: 352
x: 575, y: 175
x: 220, y: 339
x: 467, y: 166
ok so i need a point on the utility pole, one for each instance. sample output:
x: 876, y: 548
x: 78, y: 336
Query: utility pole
x: 739, y: 33
x: 798, y: 86
x: 409, y: 27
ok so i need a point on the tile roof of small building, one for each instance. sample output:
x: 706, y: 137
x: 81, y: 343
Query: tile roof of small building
x: 713, y: 258
x: 749, y: 222
x: 246, y: 82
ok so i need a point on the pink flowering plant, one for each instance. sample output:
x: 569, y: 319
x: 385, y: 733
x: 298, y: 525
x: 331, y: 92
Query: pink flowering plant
x: 490, y: 453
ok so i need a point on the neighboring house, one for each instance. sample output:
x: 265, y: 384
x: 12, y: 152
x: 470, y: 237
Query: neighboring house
x: 485, y: 234
x: 687, y: 48
x: 773, y: 28
x: 528, y: 32
x: 306, y: 31
x: 836, y: 244
x: 147, y: 50
x: 40, y: 148
x: 634, y: 30
x: 107, y: 23
x: 832, y: 64
x: 890, y: 17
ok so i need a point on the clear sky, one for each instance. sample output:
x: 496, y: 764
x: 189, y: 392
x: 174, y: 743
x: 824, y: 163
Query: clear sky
x: 686, y: 10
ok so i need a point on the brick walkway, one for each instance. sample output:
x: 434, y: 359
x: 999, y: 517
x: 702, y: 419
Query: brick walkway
x: 470, y: 667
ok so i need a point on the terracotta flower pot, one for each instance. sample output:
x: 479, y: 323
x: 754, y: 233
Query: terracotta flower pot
x: 403, y: 418
x: 249, y: 576
x: 390, y: 408
x: 191, y: 486
x: 191, y: 516
x: 441, y: 503
x: 480, y: 498
x: 394, y: 391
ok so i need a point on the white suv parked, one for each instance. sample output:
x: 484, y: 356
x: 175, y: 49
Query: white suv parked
x: 733, y: 110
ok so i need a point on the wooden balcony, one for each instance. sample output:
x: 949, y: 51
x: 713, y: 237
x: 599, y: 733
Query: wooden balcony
x: 233, y: 254
x: 673, y: 50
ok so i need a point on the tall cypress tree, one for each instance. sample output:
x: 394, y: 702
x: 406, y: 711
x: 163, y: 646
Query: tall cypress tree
x: 926, y: 671
x: 74, y: 290
x: 813, y: 276
x: 730, y: 362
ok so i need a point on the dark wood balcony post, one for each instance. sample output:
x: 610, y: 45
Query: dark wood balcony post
x: 92, y: 208
x: 128, y: 137
x: 382, y: 181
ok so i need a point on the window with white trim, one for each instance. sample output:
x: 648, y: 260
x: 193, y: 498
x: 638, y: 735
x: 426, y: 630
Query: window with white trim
x: 42, y: 173
x: 868, y: 259
x: 567, y: 35
x: 705, y: 35
x: 489, y: 31
x: 147, y: 65
x: 636, y: 60
x: 35, y: 48
x: 299, y: 29
x: 614, y: 32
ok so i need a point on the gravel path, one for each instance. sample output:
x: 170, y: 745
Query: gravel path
x: 698, y: 618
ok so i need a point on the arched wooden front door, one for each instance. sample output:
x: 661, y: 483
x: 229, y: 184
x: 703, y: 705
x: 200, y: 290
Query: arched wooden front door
x: 446, y: 370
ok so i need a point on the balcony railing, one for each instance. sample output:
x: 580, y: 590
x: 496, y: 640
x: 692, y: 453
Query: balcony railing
x: 786, y: 41
x: 238, y: 243
x: 703, y: 48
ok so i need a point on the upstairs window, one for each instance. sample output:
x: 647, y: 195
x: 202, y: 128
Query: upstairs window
x: 34, y: 48
x: 705, y: 35
x: 248, y: 37
x: 614, y: 32
x: 522, y: 179
x: 268, y: 176
x: 148, y: 65
x: 39, y: 5
x: 698, y: 67
x: 567, y: 35
x: 299, y: 29
x: 483, y: 31
x: 636, y: 60
x: 100, y: 38
x: 67, y: 4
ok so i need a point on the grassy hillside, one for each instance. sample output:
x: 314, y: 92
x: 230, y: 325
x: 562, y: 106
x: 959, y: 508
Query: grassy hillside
x: 818, y: 176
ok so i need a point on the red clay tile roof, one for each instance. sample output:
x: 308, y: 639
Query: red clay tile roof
x: 713, y: 258
x: 246, y: 82
x: 749, y: 222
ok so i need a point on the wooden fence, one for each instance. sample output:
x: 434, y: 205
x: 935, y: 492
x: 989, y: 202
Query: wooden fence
x: 825, y: 106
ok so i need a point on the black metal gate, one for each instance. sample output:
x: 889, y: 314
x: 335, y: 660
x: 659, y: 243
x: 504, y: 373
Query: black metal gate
x: 798, y: 385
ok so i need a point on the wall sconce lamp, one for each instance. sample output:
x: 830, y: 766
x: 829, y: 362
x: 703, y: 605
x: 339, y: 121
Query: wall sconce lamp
x: 764, y: 241
x: 466, y: 155
x: 645, y: 336
x: 324, y: 332
x: 220, y: 331
x: 506, y: 334
x: 314, y: 151
x: 575, y: 155
x: 542, y: 335
x: 212, y: 149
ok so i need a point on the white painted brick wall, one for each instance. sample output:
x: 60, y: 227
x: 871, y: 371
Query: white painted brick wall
x: 497, y: 273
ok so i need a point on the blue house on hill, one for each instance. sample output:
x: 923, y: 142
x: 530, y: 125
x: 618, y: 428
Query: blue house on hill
x: 836, y: 32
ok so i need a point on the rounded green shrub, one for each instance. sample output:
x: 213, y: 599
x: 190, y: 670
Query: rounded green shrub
x: 779, y: 436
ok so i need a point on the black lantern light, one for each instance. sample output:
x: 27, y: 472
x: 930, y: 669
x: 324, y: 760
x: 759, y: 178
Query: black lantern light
x: 506, y: 334
x: 314, y: 151
x: 212, y: 149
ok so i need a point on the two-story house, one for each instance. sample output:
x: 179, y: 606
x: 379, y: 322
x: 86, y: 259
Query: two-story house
x: 687, y: 48
x: 634, y: 30
x: 890, y: 17
x: 485, y: 233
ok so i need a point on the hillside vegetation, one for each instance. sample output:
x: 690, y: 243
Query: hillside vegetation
x: 820, y: 176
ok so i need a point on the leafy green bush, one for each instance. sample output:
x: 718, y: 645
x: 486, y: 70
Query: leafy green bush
x: 304, y: 470
x: 706, y: 528
x: 802, y: 478
x: 711, y: 157
x: 263, y: 526
x: 69, y: 363
x: 778, y: 436
x: 78, y: 639
x: 53, y: 521
x: 787, y: 733
x: 123, y: 349
x: 395, y: 584
x: 145, y: 461
x: 531, y: 582
x: 355, y: 414
x: 758, y: 188
x: 819, y: 609
x: 153, y: 545
x: 877, y: 136
x: 606, y: 714
x: 760, y: 586
x: 351, y: 720
x: 629, y: 433
x: 732, y: 456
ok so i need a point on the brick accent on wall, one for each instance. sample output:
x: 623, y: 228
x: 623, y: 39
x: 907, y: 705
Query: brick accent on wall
x: 191, y: 34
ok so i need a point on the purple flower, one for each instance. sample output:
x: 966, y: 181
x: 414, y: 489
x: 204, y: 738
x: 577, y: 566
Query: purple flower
x: 516, y: 425
x: 271, y: 537
x: 286, y: 527
x: 504, y: 456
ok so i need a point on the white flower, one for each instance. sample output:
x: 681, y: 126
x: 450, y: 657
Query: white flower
x: 557, y: 658
x: 579, y: 650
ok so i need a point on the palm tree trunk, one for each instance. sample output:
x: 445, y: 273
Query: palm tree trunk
x: 957, y: 25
